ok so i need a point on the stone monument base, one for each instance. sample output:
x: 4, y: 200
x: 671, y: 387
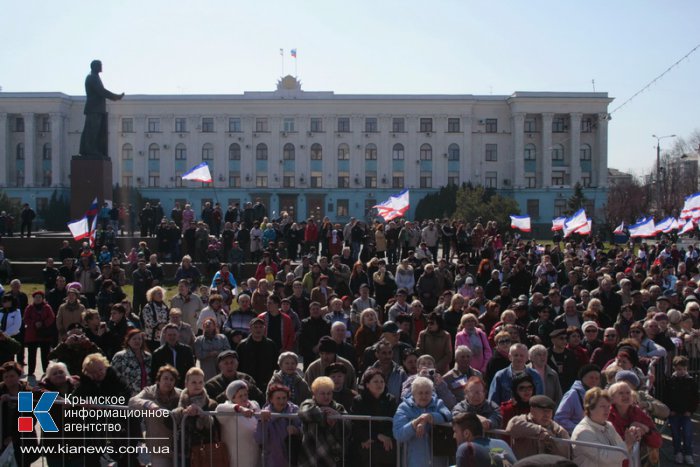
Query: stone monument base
x: 89, y: 178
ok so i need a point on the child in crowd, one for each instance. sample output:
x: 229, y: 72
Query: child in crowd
x: 682, y: 399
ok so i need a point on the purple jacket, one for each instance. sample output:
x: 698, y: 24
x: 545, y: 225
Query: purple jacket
x: 272, y: 435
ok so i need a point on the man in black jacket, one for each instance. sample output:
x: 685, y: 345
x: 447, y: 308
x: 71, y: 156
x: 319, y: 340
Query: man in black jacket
x: 172, y: 353
x: 228, y: 372
x: 313, y: 329
x: 27, y: 216
x: 258, y: 354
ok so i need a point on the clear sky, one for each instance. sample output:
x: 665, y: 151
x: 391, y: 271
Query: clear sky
x: 379, y: 46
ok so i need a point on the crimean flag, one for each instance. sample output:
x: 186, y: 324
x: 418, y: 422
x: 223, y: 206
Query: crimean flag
x: 198, y: 173
x: 395, y: 206
x: 688, y: 227
x: 620, y: 229
x: 79, y: 229
x: 520, y: 223
x: 558, y: 224
x: 93, y: 232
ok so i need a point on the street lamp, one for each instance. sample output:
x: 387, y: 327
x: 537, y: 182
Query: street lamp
x: 658, y: 165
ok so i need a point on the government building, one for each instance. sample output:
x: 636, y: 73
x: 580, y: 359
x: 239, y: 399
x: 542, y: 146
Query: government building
x: 319, y: 153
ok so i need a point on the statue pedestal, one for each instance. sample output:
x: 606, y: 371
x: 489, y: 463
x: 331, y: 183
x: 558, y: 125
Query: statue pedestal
x: 89, y: 178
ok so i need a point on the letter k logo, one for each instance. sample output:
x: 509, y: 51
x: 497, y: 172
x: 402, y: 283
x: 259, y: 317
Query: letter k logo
x: 41, y: 412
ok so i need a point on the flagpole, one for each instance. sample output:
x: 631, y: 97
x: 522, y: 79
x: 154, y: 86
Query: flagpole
x: 282, y: 57
x: 296, y: 60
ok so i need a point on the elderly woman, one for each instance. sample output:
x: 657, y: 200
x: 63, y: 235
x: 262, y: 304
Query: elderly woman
x: 154, y: 315
x: 689, y: 336
x: 215, y: 309
x: 473, y: 337
x: 323, y: 433
x: 133, y: 364
x: 625, y: 413
x: 238, y: 430
x: 595, y: 428
x: 475, y: 402
x: 10, y: 387
x: 165, y: 396
x: 208, y: 346
x: 193, y: 402
x: 435, y: 341
x: 288, y: 375
x: 70, y: 311
x: 414, y: 419
x: 278, y: 435
x: 373, y: 443
x: 39, y: 326
x: 426, y: 369
x: 550, y: 378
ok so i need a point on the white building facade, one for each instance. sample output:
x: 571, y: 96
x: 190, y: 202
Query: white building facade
x: 319, y: 153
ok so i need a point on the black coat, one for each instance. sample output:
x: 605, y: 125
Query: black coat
x: 258, y: 359
x: 366, y: 404
x: 164, y: 356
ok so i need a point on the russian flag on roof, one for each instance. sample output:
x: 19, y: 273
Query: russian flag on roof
x: 198, y: 173
x: 520, y: 223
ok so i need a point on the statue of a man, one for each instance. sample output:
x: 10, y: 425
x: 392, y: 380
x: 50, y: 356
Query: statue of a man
x: 93, y: 141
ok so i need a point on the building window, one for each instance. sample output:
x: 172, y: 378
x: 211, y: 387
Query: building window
x: 585, y: 152
x: 153, y: 181
x: 398, y: 125
x: 453, y: 125
x: 127, y: 180
x: 288, y: 124
x: 397, y: 153
x: 261, y: 152
x: 343, y: 125
x: 530, y: 125
x: 19, y: 124
x: 397, y: 180
x: 530, y: 152
x: 316, y: 180
x: 343, y: 152
x: 453, y: 178
x: 371, y: 125
x: 426, y: 125
x: 491, y: 125
x: 153, y: 152
x: 559, y: 125
x: 533, y: 208
x: 153, y: 125
x: 586, y: 179
x: 530, y: 181
x: 589, y: 206
x: 180, y: 152
x: 127, y: 125
x: 208, y: 152
x: 342, y: 208
x: 316, y: 152
x: 426, y: 180
x: 557, y: 152
x: 234, y: 152
x: 491, y: 152
x: 288, y: 152
x: 371, y: 180
x: 234, y: 179
x: 453, y: 152
x: 127, y: 152
x: 586, y: 125
x: 46, y: 152
x: 559, y: 207
x: 491, y: 180
x: 19, y: 152
x: 180, y: 125
x: 261, y: 125
x: 426, y: 152
x: 371, y: 152
x: 316, y: 124
x: 208, y: 125
x: 288, y: 181
x: 557, y: 178
x: 343, y: 180
x: 234, y: 125
x: 178, y: 183
x: 261, y: 181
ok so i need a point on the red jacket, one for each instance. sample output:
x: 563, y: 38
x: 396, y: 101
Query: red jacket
x: 288, y: 334
x: 311, y: 233
x: 32, y: 315
x: 509, y: 409
x: 260, y: 270
x: 635, y: 414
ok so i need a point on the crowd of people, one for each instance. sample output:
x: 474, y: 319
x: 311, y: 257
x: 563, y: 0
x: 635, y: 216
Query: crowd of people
x: 424, y: 324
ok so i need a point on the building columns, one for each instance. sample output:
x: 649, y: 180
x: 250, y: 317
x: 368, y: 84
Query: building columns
x: 518, y: 150
x: 5, y: 169
x: 602, y: 147
x: 547, y: 149
x: 575, y: 147
x: 29, y: 149
x: 56, y: 149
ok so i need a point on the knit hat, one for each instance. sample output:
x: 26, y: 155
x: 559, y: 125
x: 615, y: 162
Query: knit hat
x: 627, y: 376
x: 588, y: 324
x: 585, y: 369
x: 674, y: 316
x: 75, y: 285
x: 234, y: 387
x: 327, y: 344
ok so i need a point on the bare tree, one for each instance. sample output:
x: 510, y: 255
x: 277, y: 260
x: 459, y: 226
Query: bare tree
x: 627, y: 201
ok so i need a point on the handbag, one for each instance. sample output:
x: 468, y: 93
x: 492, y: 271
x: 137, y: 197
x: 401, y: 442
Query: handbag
x: 210, y: 454
x: 444, y: 444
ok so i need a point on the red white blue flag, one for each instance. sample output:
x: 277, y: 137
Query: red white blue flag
x: 79, y: 229
x: 93, y: 209
x: 198, y: 173
x: 395, y: 206
x: 520, y: 223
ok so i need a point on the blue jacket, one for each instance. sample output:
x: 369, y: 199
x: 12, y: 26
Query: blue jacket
x: 419, y: 449
x: 500, y: 390
x: 570, y: 410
